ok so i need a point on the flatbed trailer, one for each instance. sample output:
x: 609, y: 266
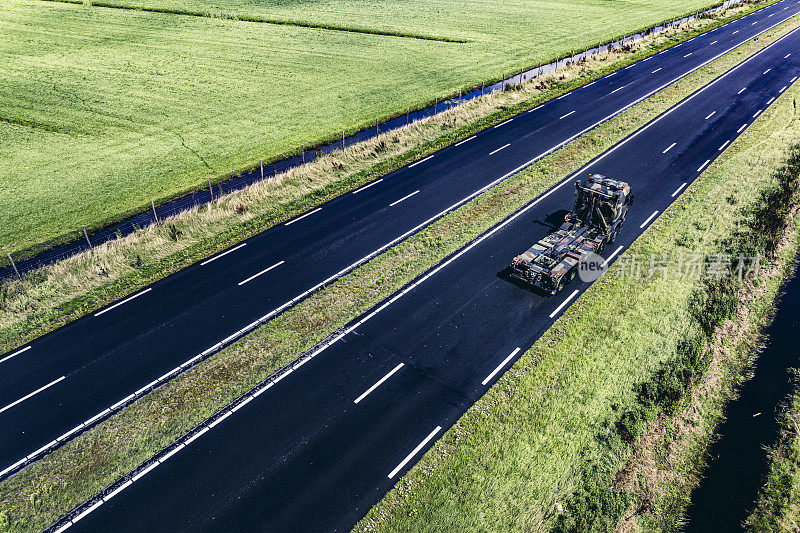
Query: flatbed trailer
x: 601, y: 205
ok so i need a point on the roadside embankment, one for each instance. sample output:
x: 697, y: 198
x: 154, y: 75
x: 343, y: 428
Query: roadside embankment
x: 55, y: 295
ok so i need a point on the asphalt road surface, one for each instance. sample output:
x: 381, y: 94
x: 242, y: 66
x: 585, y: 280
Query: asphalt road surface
x: 319, y: 448
x: 65, y: 381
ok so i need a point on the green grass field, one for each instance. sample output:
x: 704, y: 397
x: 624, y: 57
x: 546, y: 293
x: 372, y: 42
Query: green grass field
x: 102, y: 109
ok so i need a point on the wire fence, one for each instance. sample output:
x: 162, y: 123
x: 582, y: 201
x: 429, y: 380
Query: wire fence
x: 266, y: 171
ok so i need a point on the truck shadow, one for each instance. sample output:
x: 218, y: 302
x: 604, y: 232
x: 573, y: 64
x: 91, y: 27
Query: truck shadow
x: 552, y: 221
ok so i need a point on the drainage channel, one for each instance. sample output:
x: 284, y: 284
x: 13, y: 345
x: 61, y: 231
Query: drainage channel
x: 738, y: 460
x: 88, y: 240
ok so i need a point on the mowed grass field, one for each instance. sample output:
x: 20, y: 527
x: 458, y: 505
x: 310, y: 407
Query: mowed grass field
x: 102, y: 109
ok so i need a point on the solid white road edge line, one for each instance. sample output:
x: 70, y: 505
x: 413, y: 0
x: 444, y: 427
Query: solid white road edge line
x: 126, y: 300
x: 503, y: 123
x: 403, y: 198
x: 37, y: 391
x: 6, y: 358
x: 646, y: 222
x: 564, y: 303
x: 414, y: 452
x: 378, y: 383
x: 254, y: 276
x: 223, y: 254
x: 501, y: 365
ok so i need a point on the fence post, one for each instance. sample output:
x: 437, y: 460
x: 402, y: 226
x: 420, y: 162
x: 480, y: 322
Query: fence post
x: 459, y: 96
x: 14, y: 266
x: 261, y: 162
x: 483, y: 85
x: 503, y: 85
x: 303, y: 152
x: 408, y: 109
x: 85, y: 234
x: 210, y: 190
x: 155, y: 215
x: 435, y: 104
x: 377, y: 131
x: 342, y: 139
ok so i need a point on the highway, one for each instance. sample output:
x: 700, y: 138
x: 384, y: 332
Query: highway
x: 66, y: 381
x: 317, y: 449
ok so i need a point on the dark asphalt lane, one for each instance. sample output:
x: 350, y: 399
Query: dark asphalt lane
x: 69, y: 377
x: 304, y: 456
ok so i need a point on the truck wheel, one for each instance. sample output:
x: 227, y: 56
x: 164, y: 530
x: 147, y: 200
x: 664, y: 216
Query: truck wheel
x: 571, y: 275
x: 560, y: 285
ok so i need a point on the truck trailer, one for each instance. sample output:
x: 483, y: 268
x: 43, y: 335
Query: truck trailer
x: 601, y: 205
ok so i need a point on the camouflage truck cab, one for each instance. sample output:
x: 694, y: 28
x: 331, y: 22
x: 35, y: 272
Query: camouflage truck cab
x: 601, y: 205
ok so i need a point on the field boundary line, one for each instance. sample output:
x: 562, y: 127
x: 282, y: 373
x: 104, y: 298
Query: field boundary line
x: 264, y: 20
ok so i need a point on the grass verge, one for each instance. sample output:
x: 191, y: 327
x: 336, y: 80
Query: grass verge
x: 55, y: 295
x: 47, y: 489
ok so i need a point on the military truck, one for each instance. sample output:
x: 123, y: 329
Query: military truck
x: 601, y: 205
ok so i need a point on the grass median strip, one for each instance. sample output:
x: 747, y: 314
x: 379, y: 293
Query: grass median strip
x: 47, y: 489
x: 58, y: 294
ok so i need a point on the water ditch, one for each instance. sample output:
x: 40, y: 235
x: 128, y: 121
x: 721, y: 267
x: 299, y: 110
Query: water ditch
x: 738, y: 459
x: 88, y: 240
